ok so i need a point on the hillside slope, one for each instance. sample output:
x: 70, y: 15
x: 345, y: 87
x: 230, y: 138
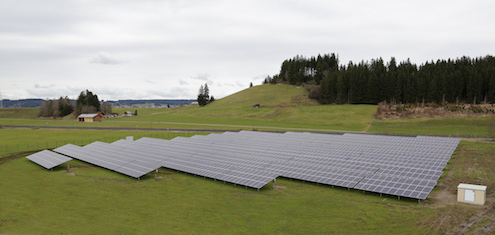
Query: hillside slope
x: 268, y: 96
x: 281, y: 106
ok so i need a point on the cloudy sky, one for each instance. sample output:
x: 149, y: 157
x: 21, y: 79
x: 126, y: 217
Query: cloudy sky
x: 158, y: 49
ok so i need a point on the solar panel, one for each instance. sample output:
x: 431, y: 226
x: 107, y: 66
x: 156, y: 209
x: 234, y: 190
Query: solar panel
x: 48, y: 159
x: 402, y: 166
x: 101, y: 154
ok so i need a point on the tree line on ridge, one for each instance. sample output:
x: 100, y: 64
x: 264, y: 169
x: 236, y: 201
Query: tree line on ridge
x: 463, y: 80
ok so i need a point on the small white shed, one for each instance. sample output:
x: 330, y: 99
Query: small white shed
x: 470, y: 193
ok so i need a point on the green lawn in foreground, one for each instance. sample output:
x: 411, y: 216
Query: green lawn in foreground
x: 94, y: 200
x: 90, y: 200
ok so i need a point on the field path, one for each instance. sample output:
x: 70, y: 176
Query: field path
x: 368, y: 127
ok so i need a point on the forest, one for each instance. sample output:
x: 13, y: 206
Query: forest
x: 460, y: 80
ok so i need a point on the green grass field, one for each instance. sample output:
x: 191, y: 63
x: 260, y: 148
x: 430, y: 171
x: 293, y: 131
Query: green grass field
x: 89, y: 199
x: 19, y: 113
x: 283, y: 107
x: 92, y: 200
x: 472, y: 126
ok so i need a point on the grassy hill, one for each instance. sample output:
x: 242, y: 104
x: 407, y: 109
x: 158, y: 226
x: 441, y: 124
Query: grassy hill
x: 281, y: 106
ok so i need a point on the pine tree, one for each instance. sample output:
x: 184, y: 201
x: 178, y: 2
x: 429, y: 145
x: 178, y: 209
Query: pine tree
x: 64, y: 106
x: 87, y: 102
x: 204, y: 96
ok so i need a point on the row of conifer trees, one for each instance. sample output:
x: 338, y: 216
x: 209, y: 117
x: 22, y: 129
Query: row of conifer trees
x: 454, y: 80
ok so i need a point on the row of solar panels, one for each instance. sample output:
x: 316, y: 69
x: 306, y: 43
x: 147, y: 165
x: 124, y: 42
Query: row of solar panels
x: 403, y: 166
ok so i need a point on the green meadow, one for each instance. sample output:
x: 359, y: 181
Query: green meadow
x: 90, y: 200
x: 283, y: 107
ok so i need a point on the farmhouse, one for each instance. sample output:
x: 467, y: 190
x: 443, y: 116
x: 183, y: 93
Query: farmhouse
x: 90, y: 117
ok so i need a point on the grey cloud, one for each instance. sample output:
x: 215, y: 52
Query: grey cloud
x: 202, y: 77
x: 106, y: 58
x: 260, y: 77
x: 53, y: 92
x: 182, y: 82
x: 150, y: 81
x: 178, y: 93
x: 36, y: 85
x: 47, y: 42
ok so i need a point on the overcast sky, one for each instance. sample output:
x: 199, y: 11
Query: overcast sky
x: 166, y: 49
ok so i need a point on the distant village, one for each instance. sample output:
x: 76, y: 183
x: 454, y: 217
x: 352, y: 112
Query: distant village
x: 34, y: 103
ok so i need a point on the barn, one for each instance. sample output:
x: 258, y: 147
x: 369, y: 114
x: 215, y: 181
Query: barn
x: 90, y: 117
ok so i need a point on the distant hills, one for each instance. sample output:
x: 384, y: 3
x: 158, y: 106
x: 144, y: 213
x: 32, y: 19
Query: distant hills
x: 33, y: 103
x: 23, y: 103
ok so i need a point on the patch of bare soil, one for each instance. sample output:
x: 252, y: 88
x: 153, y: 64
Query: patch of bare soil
x: 279, y: 189
x: 432, y: 110
x: 471, y: 164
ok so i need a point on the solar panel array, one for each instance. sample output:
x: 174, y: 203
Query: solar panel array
x: 112, y: 157
x: 402, y: 166
x: 48, y: 159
